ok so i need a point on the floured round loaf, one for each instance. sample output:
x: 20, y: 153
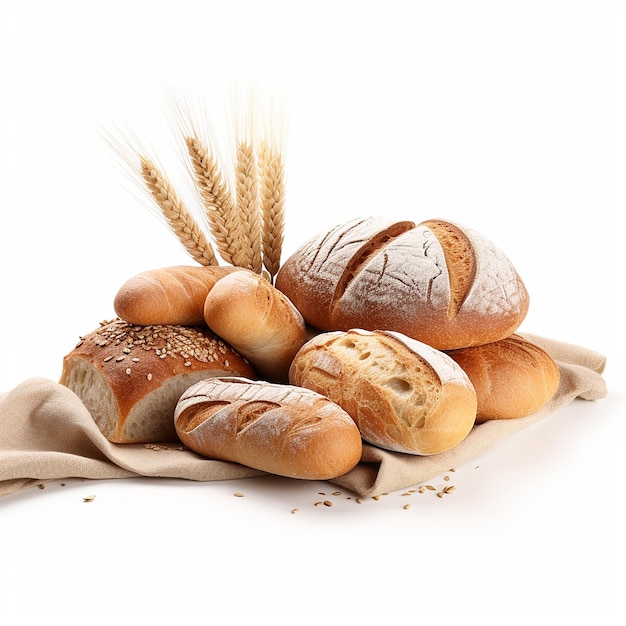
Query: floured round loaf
x: 403, y: 394
x: 512, y: 377
x: 438, y: 282
x: 130, y: 377
x: 276, y: 428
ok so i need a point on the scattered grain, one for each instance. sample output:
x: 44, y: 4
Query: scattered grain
x: 294, y: 511
x: 406, y: 506
x: 238, y: 494
x: 89, y: 498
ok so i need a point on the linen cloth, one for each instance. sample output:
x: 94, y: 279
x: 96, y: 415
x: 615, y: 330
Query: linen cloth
x: 46, y: 433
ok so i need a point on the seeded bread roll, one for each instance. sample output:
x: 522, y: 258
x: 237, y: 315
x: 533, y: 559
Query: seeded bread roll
x: 437, y: 282
x: 403, y: 394
x: 258, y: 320
x: 280, y: 429
x: 168, y: 295
x: 130, y: 377
x: 512, y: 377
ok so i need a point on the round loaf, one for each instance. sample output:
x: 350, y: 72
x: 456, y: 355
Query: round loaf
x: 403, y: 394
x: 130, y: 377
x: 258, y: 320
x: 512, y: 377
x: 279, y: 429
x: 168, y: 295
x: 437, y: 282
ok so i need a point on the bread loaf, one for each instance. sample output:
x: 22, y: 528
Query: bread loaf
x: 130, y: 377
x: 512, y: 377
x: 258, y: 320
x: 275, y: 428
x: 168, y: 295
x: 438, y: 282
x: 403, y: 394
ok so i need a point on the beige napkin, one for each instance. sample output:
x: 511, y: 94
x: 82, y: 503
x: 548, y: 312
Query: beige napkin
x: 46, y: 433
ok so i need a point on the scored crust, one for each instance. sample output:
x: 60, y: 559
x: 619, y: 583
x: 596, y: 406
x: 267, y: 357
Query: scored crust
x: 437, y: 282
x: 460, y: 261
x: 282, y: 429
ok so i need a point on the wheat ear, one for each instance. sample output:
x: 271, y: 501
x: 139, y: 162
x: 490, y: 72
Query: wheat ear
x: 248, y: 207
x: 177, y: 215
x: 218, y: 203
x: 272, y: 192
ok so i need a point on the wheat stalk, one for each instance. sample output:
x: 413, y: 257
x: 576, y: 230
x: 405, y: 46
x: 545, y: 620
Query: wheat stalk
x: 177, y: 215
x: 248, y: 207
x: 219, y: 207
x: 272, y: 192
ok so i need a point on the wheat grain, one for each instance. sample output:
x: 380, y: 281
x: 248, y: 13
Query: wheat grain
x: 271, y: 174
x: 179, y: 218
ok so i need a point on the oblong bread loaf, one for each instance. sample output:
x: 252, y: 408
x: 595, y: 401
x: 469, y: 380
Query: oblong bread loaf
x: 276, y: 428
x: 168, y: 295
x: 258, y: 320
x: 512, y: 377
x: 403, y: 394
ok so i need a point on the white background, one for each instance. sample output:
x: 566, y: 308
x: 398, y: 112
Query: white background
x: 506, y: 116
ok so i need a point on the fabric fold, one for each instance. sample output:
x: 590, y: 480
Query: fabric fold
x: 46, y: 433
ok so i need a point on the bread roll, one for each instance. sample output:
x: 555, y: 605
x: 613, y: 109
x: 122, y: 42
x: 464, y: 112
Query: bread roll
x: 258, y: 321
x: 440, y: 283
x: 403, y: 395
x: 512, y: 377
x: 168, y: 295
x: 130, y: 377
x: 275, y: 428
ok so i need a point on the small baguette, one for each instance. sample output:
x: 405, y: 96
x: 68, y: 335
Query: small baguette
x: 168, y: 295
x: 512, y: 377
x: 279, y: 429
x: 259, y: 321
x: 403, y: 395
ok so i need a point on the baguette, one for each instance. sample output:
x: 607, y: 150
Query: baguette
x: 279, y: 429
x: 168, y: 295
x: 258, y: 320
x: 437, y: 282
x: 512, y: 377
x: 130, y: 377
x: 403, y: 395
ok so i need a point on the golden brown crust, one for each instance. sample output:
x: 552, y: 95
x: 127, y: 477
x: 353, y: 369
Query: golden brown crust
x: 280, y: 429
x: 402, y: 394
x: 513, y: 377
x: 258, y: 320
x: 124, y: 372
x: 168, y: 295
